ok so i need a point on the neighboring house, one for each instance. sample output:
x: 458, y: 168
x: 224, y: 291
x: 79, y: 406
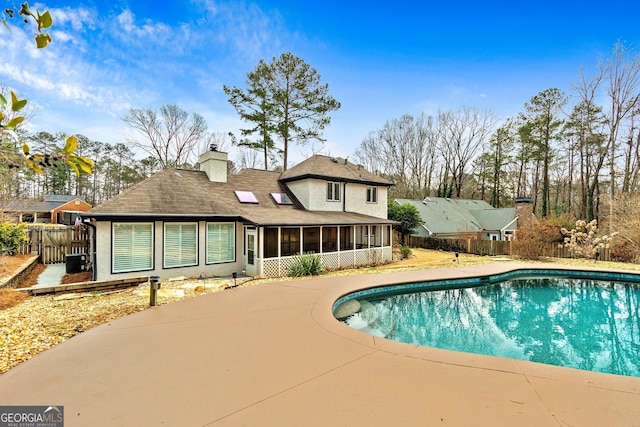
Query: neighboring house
x: 205, y: 223
x: 446, y: 218
x: 53, y: 209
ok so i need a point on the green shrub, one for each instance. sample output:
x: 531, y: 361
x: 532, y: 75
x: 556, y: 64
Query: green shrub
x: 11, y: 236
x: 306, y: 265
x: 405, y: 252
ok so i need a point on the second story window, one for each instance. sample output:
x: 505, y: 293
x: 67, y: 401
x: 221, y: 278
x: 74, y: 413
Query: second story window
x: 372, y: 194
x: 333, y: 191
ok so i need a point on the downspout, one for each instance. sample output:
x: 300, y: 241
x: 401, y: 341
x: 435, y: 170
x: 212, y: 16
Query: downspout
x: 93, y: 251
x: 344, y: 197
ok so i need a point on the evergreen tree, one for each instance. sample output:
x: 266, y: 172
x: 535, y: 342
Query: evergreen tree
x: 283, y: 99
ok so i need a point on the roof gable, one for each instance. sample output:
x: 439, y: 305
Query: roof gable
x: 446, y: 216
x: 495, y: 219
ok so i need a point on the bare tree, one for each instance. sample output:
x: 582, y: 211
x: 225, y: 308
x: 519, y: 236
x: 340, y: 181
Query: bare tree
x: 173, y: 137
x: 219, y: 140
x: 586, y: 126
x: 463, y: 133
x: 404, y: 151
x: 623, y: 74
x: 631, y: 144
x: 249, y: 159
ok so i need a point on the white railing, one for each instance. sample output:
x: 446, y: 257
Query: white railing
x: 278, y: 267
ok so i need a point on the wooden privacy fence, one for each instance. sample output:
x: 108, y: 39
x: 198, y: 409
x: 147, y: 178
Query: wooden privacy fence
x: 492, y: 247
x: 53, y: 243
x: 470, y: 246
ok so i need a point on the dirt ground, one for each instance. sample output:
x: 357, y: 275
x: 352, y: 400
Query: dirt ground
x: 10, y: 264
x: 83, y: 276
x: 424, y: 258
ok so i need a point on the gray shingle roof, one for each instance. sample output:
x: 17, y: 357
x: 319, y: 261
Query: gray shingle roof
x: 447, y: 216
x: 335, y: 168
x: 496, y: 219
x: 61, y: 198
x: 27, y: 205
x: 171, y: 192
x: 174, y: 192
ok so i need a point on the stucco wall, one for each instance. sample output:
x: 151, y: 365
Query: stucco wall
x: 103, y: 249
x: 312, y: 193
x: 356, y: 201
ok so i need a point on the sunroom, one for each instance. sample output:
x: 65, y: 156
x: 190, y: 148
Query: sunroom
x: 338, y: 246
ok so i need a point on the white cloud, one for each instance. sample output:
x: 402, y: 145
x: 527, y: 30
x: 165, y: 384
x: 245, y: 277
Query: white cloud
x: 79, y: 18
x: 127, y: 22
x: 244, y: 26
x: 61, y: 36
x: 98, y: 67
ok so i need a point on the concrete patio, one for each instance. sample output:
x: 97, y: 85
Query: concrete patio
x: 273, y: 354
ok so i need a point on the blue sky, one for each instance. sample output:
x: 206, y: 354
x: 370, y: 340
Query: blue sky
x: 380, y: 59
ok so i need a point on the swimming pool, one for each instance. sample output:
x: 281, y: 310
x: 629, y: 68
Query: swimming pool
x: 584, y: 320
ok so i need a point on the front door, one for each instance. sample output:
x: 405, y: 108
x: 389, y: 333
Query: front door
x: 250, y: 252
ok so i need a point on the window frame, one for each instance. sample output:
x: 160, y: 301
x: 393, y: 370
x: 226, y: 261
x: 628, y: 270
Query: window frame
x: 131, y: 251
x: 289, y: 246
x: 372, y: 194
x: 233, y: 242
x: 329, y: 239
x: 165, y: 245
x: 332, y: 194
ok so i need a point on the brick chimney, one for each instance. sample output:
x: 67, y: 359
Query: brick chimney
x: 214, y: 163
x: 524, y: 210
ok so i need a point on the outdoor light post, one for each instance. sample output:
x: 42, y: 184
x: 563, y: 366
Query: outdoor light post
x: 458, y: 257
x: 154, y: 285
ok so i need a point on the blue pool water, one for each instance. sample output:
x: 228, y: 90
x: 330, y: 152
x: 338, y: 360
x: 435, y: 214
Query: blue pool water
x: 575, y: 322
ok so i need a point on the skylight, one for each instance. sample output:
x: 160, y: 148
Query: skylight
x: 281, y: 198
x: 246, y: 196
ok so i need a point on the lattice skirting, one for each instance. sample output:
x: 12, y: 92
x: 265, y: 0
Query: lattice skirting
x: 278, y: 267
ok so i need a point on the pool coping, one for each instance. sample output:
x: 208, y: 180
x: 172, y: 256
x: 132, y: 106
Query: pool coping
x: 323, y: 314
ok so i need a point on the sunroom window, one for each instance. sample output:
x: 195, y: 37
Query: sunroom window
x: 132, y: 247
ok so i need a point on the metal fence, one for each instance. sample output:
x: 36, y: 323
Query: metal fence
x: 53, y: 243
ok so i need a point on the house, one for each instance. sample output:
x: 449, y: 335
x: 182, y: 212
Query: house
x: 446, y: 218
x: 208, y: 223
x: 53, y: 209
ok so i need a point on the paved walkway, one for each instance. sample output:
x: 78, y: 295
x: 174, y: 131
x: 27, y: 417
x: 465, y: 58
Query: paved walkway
x: 51, y: 275
x: 273, y: 355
